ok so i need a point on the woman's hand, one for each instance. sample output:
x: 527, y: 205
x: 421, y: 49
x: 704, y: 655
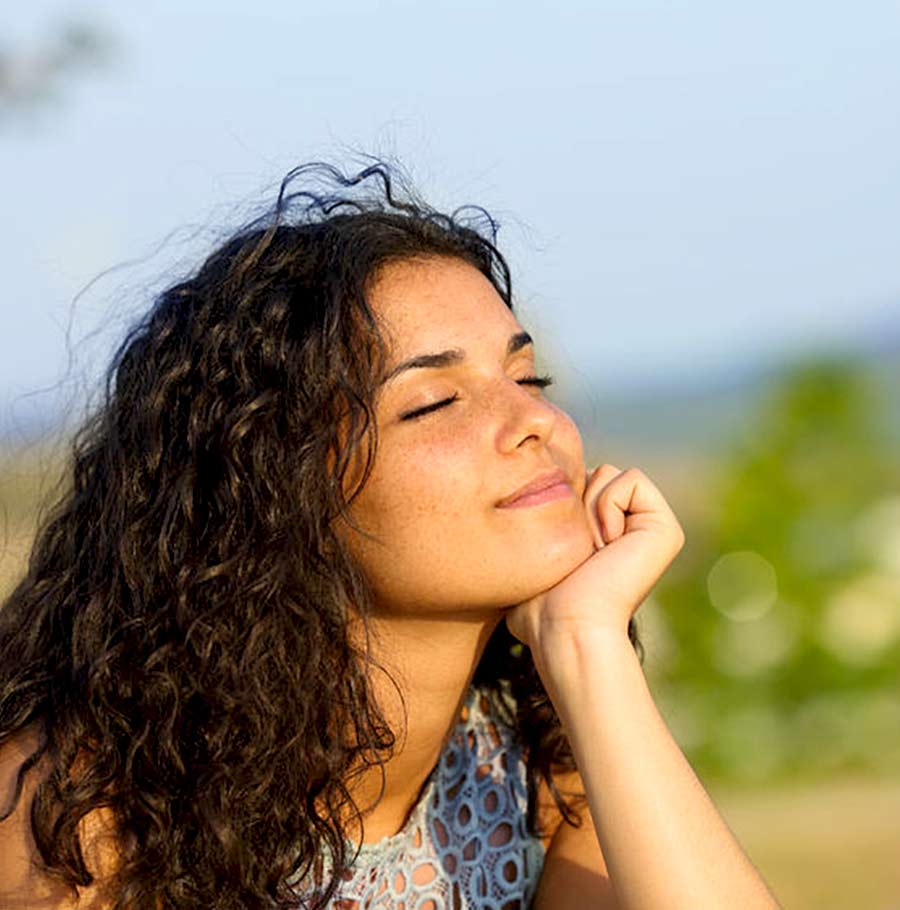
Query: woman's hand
x: 636, y: 537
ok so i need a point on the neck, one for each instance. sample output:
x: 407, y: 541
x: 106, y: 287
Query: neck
x: 432, y: 660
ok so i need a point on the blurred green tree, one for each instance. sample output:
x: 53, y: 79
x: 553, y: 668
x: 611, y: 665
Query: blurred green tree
x: 783, y: 617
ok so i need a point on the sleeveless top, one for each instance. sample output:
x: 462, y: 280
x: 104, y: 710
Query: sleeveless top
x: 465, y: 845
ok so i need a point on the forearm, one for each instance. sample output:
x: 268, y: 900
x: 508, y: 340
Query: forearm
x: 664, y: 842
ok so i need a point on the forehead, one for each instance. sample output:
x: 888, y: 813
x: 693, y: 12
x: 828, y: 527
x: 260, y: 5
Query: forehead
x: 438, y: 301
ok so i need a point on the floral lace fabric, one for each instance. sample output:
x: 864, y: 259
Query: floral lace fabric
x: 465, y: 845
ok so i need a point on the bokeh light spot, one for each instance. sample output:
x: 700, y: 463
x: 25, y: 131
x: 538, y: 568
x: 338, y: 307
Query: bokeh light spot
x: 862, y: 619
x: 877, y: 532
x: 742, y: 585
x: 751, y: 649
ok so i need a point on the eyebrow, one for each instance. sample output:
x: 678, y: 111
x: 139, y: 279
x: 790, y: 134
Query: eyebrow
x: 453, y: 356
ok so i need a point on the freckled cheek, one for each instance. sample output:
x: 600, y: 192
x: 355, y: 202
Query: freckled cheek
x: 437, y: 479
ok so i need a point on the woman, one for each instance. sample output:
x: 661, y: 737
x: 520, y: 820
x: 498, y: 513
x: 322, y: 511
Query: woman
x: 334, y: 615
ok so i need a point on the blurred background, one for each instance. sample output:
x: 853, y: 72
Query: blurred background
x: 701, y: 206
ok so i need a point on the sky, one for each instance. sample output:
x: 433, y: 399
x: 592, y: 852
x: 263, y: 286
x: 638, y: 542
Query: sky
x: 683, y: 188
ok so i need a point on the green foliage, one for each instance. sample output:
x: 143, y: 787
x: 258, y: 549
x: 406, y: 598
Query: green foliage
x: 782, y: 623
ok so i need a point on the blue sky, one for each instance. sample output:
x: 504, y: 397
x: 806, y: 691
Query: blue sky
x: 682, y: 187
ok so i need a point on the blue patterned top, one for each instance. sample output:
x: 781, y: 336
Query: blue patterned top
x: 465, y: 845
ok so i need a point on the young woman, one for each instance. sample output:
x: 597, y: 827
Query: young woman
x: 333, y: 613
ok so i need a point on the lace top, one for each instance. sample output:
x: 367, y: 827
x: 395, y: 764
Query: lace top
x: 465, y: 845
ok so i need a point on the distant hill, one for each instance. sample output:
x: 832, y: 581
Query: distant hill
x: 701, y: 415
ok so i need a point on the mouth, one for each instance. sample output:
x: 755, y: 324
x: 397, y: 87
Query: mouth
x: 547, y: 487
x: 549, y: 494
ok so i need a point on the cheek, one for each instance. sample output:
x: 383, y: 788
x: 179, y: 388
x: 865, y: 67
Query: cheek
x: 430, y: 482
x: 425, y: 509
x: 568, y: 437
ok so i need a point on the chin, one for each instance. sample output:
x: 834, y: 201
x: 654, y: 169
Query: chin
x: 564, y: 560
x: 566, y: 548
x: 549, y: 567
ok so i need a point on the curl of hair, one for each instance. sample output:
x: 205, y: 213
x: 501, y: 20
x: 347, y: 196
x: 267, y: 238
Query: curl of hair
x: 179, y: 639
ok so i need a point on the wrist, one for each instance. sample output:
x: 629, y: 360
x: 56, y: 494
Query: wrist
x: 564, y: 654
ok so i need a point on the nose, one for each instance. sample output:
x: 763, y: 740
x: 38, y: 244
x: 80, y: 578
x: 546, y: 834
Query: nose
x: 526, y: 415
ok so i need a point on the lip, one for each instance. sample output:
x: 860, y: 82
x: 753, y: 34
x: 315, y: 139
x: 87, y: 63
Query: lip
x: 542, y: 482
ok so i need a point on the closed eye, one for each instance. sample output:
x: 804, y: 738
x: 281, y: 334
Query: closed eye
x: 540, y: 382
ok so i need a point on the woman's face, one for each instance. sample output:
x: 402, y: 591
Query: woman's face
x: 443, y: 543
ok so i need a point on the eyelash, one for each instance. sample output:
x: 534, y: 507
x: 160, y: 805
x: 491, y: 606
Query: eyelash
x: 540, y: 381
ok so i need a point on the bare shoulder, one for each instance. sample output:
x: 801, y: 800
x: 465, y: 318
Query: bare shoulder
x: 22, y: 883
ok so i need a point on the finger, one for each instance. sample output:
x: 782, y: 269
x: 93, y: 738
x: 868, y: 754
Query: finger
x: 598, y: 477
x: 597, y: 480
x: 631, y: 501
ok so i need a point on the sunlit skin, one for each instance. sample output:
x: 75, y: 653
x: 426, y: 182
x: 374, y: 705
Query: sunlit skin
x: 447, y: 559
x: 444, y: 545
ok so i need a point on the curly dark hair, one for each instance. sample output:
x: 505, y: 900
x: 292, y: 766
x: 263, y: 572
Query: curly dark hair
x: 179, y: 638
